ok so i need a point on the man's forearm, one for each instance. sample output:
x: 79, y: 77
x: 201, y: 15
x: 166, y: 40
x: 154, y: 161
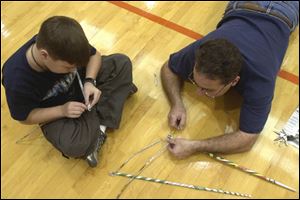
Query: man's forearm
x: 172, y: 85
x: 229, y: 143
x: 43, y: 115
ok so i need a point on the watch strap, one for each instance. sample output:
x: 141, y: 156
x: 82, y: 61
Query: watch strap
x: 90, y: 80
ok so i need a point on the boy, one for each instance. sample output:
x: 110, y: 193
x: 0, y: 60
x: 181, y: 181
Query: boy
x: 59, y: 81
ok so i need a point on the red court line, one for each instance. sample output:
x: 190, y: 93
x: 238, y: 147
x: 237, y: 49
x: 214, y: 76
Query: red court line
x: 157, y: 19
x: 289, y: 76
x: 282, y: 73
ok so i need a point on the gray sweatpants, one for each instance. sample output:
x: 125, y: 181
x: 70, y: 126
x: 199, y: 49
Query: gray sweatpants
x: 77, y: 137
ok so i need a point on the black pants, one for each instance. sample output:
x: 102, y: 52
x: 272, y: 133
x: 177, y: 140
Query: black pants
x: 77, y: 137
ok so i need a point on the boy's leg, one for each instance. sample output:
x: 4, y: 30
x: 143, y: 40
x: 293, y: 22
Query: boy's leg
x: 115, y: 82
x: 74, y: 137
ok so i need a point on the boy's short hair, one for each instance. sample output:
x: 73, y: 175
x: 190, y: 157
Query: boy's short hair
x: 64, y: 39
x: 218, y: 59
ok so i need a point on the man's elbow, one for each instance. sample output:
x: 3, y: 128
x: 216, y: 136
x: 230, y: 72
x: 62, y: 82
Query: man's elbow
x: 249, y: 141
x: 243, y: 148
x: 163, y: 68
x: 249, y: 145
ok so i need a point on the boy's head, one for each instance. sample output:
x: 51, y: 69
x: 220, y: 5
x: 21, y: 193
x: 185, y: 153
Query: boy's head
x: 63, y: 39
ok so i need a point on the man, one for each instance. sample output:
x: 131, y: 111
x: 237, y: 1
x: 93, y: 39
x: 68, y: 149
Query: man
x: 59, y: 81
x: 245, y: 52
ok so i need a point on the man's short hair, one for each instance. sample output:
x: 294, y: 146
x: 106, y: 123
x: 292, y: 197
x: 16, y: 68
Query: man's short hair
x: 219, y: 59
x: 64, y: 39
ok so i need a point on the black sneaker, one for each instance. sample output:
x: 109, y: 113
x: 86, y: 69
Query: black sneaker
x: 92, y: 159
x: 133, y: 90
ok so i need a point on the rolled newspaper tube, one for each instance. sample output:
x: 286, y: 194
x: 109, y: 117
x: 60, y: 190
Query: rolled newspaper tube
x: 249, y: 171
x: 81, y: 87
x: 195, y: 187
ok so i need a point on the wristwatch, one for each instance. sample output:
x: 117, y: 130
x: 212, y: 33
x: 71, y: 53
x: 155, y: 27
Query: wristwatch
x: 90, y: 80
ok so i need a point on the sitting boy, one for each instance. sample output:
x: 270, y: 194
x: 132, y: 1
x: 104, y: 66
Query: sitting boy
x: 59, y: 81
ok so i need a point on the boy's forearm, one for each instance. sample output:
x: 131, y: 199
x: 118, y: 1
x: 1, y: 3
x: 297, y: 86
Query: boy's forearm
x: 171, y: 84
x: 93, y: 66
x: 43, y: 115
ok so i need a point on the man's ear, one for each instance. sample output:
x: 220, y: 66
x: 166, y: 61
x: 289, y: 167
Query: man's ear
x: 235, y: 81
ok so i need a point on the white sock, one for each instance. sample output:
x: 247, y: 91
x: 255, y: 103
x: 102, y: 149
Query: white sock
x: 103, y: 128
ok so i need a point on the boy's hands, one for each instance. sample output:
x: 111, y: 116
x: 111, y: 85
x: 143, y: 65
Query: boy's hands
x: 91, y: 94
x: 73, y: 109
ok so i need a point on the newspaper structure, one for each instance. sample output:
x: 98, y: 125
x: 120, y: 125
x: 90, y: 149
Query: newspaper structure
x: 290, y: 132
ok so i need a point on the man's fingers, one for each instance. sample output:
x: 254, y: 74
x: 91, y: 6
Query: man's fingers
x: 172, y: 122
x: 181, y: 123
x: 171, y: 147
x: 171, y: 142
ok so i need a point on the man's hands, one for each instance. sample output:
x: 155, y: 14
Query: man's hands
x: 180, y: 147
x: 91, y: 94
x: 177, y: 117
x: 172, y: 84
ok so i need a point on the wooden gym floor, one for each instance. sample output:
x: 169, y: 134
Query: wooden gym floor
x: 148, y: 32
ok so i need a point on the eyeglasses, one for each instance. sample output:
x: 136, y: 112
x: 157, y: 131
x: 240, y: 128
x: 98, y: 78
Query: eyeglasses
x: 211, y: 94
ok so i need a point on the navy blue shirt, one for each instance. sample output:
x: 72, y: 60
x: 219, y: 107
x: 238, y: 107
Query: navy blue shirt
x: 262, y: 41
x: 27, y: 89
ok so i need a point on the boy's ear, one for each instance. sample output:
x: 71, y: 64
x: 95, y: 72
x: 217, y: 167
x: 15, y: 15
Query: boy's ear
x: 235, y: 81
x: 44, y: 53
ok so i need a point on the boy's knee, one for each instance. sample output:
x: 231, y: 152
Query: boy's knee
x: 70, y: 137
x: 74, y: 150
x: 125, y: 61
x: 123, y: 57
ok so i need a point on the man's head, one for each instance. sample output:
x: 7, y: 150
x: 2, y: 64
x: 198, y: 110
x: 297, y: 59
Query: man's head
x: 62, y: 44
x: 217, y: 67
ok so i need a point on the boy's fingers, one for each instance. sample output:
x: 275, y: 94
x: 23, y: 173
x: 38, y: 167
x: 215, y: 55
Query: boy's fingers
x: 81, y: 105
